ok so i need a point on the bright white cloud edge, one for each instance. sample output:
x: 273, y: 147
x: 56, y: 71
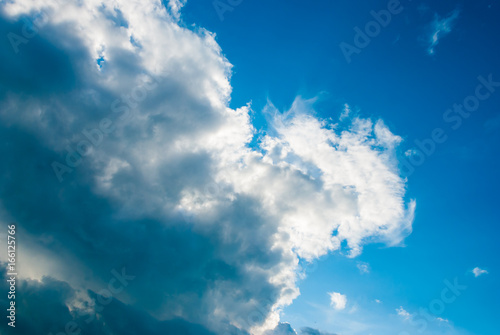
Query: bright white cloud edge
x: 315, y: 186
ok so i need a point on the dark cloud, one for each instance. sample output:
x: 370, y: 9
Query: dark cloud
x: 282, y: 329
x: 156, y: 177
x: 42, y: 308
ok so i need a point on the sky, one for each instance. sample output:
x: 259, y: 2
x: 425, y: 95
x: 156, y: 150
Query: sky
x: 242, y: 167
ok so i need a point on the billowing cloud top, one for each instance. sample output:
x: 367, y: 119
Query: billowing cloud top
x: 120, y: 153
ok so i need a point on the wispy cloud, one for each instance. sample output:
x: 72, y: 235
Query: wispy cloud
x: 441, y: 27
x: 363, y: 267
x: 478, y: 271
x: 403, y: 313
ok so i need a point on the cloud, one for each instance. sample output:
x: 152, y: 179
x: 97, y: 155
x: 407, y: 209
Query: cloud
x: 282, y: 329
x: 337, y: 300
x: 441, y: 27
x: 478, y: 272
x: 155, y: 173
x: 49, y: 306
x: 363, y: 267
x: 403, y: 313
x: 346, y: 111
x: 175, y: 7
x: 312, y: 331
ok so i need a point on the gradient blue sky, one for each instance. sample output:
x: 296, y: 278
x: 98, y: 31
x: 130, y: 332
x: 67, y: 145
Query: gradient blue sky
x: 281, y: 49
x: 225, y: 177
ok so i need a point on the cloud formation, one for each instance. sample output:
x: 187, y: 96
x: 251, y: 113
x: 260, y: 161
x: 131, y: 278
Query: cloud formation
x: 363, y: 267
x: 403, y: 313
x: 156, y: 174
x: 441, y: 27
x: 337, y: 300
x: 478, y: 272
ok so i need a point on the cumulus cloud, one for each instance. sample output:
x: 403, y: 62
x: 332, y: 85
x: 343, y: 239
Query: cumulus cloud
x: 119, y: 150
x: 441, y: 27
x: 478, y: 272
x: 337, y: 300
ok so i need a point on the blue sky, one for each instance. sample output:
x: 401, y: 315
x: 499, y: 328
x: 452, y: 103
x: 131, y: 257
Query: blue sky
x: 286, y: 48
x: 256, y: 167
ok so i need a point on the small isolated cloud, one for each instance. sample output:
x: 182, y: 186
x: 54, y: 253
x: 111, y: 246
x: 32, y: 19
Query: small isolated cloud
x: 478, y: 271
x: 363, y: 267
x: 441, y: 27
x: 403, y: 313
x: 410, y: 152
x: 337, y: 300
x: 443, y: 320
x: 378, y: 301
x: 345, y: 112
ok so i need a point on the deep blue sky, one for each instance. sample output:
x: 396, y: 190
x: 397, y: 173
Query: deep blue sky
x: 210, y: 218
x: 281, y: 49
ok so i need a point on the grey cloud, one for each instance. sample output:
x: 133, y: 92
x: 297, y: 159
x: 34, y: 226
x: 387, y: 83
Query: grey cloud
x: 172, y: 193
x: 42, y: 308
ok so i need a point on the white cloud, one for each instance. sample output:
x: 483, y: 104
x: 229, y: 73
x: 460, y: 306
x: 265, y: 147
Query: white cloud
x: 345, y: 112
x: 175, y: 7
x: 410, y: 152
x: 441, y: 27
x: 403, y: 313
x: 363, y: 267
x: 252, y: 213
x: 478, y: 272
x: 337, y: 300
